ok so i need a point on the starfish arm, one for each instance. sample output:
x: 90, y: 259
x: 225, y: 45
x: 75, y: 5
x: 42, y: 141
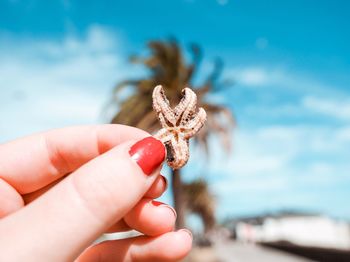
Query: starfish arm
x: 162, y: 120
x: 163, y: 135
x: 161, y: 104
x: 195, y: 124
x: 187, y: 106
x: 179, y: 151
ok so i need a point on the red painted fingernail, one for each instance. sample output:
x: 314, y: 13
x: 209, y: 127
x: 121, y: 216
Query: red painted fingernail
x: 158, y: 203
x: 165, y: 182
x: 148, y: 153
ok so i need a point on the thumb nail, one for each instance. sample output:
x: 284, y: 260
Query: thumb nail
x: 148, y: 153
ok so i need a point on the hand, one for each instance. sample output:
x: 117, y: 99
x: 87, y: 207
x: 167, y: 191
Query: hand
x: 61, y: 190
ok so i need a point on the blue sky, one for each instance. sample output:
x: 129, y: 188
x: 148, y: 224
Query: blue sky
x: 290, y: 60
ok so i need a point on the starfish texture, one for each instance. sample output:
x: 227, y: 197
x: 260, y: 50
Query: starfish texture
x: 179, y: 124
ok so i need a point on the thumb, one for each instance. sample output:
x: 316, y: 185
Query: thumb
x: 59, y: 225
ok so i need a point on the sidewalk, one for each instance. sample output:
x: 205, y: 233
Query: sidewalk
x: 238, y: 252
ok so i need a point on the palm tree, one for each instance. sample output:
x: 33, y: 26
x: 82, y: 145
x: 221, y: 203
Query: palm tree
x: 200, y: 201
x: 167, y: 67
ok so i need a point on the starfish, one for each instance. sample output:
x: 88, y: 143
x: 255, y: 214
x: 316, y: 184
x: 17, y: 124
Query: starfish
x: 179, y: 124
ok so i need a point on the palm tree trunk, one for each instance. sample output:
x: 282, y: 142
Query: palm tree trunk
x: 178, y: 198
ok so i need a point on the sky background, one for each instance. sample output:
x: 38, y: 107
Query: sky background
x: 290, y: 60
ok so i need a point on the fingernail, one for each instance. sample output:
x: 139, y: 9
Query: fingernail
x: 148, y: 153
x: 165, y: 182
x: 187, y: 231
x: 158, y: 203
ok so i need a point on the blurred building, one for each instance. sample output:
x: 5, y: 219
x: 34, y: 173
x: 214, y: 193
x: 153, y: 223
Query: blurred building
x: 298, y: 229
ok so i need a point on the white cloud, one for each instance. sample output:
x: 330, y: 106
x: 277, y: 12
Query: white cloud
x: 49, y: 83
x: 283, y: 79
x: 343, y: 134
x: 276, y: 167
x: 251, y: 76
x: 292, y: 145
x: 281, y: 94
x: 339, y: 108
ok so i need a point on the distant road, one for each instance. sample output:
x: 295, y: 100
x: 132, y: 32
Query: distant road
x: 238, y: 252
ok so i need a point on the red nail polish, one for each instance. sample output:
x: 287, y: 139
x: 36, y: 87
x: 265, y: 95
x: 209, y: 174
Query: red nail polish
x: 157, y: 203
x: 165, y: 182
x: 148, y: 153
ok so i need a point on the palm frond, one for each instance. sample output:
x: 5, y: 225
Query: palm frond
x: 201, y: 201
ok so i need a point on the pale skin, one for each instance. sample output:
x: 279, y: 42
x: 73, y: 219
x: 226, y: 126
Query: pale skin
x: 62, y: 189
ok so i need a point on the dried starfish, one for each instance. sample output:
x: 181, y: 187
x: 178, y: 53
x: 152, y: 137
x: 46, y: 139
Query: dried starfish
x: 178, y: 124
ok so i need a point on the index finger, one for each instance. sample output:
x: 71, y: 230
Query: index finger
x: 33, y: 162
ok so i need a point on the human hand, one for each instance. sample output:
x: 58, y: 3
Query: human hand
x: 62, y: 189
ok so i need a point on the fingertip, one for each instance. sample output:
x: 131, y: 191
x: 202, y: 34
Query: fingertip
x: 158, y: 187
x: 178, y: 245
x: 186, y: 238
x: 172, y: 246
x: 152, y: 218
x: 10, y: 199
x: 187, y: 232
